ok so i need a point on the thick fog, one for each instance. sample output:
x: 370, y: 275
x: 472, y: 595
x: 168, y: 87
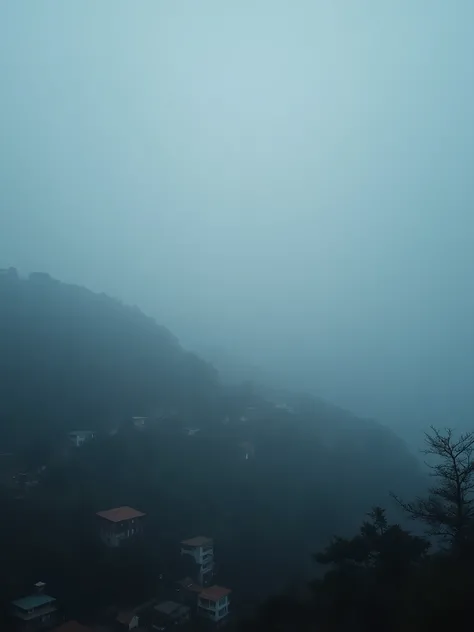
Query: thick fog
x: 289, y: 181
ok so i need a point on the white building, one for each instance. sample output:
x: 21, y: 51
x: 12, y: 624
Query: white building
x: 79, y: 437
x: 199, y: 553
x: 214, y: 603
x: 139, y: 422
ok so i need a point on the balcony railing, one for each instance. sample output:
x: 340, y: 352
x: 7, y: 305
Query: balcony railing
x: 34, y: 613
x: 211, y: 606
x: 206, y: 558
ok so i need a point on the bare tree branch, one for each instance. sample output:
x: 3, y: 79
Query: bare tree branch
x: 448, y: 509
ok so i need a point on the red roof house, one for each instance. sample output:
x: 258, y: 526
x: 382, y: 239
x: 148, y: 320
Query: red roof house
x: 213, y: 603
x: 120, y: 525
x: 215, y: 593
x: 119, y: 514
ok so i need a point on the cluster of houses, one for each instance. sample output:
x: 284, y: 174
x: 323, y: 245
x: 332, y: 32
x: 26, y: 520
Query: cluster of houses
x: 21, y: 481
x: 78, y: 438
x: 195, y: 597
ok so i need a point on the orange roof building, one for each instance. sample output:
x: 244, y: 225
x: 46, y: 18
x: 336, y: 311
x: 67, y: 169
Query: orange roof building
x: 215, y: 593
x: 214, y: 603
x: 120, y: 514
x: 120, y: 525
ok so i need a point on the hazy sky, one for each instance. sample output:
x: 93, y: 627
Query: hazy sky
x: 292, y: 180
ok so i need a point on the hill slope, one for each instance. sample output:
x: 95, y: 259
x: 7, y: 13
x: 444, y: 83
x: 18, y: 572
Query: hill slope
x: 71, y: 358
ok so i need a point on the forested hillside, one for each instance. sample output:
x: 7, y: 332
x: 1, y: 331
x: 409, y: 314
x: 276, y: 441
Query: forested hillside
x: 71, y: 357
x: 270, y: 482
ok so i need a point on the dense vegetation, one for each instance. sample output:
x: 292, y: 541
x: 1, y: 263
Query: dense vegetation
x: 71, y: 357
x: 387, y: 579
x: 74, y: 359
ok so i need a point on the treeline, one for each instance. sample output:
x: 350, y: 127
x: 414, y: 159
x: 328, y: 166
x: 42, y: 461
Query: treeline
x: 73, y: 358
x: 385, y: 578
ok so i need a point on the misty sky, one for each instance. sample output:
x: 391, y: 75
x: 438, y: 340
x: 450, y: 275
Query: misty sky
x: 290, y: 180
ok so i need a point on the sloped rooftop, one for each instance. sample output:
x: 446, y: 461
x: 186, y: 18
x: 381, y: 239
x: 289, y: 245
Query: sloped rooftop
x: 214, y: 593
x: 199, y: 540
x: 33, y: 601
x: 120, y: 513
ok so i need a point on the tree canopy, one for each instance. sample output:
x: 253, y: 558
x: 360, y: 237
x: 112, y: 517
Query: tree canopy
x: 386, y: 578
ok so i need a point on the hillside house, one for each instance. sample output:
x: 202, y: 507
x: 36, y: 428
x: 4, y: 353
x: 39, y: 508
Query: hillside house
x: 78, y: 437
x: 198, y: 559
x: 169, y: 614
x: 120, y: 525
x: 139, y: 422
x: 35, y: 612
x: 213, y: 603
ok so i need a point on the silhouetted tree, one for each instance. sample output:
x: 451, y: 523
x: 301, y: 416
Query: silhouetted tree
x: 448, y: 509
x: 365, y: 586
